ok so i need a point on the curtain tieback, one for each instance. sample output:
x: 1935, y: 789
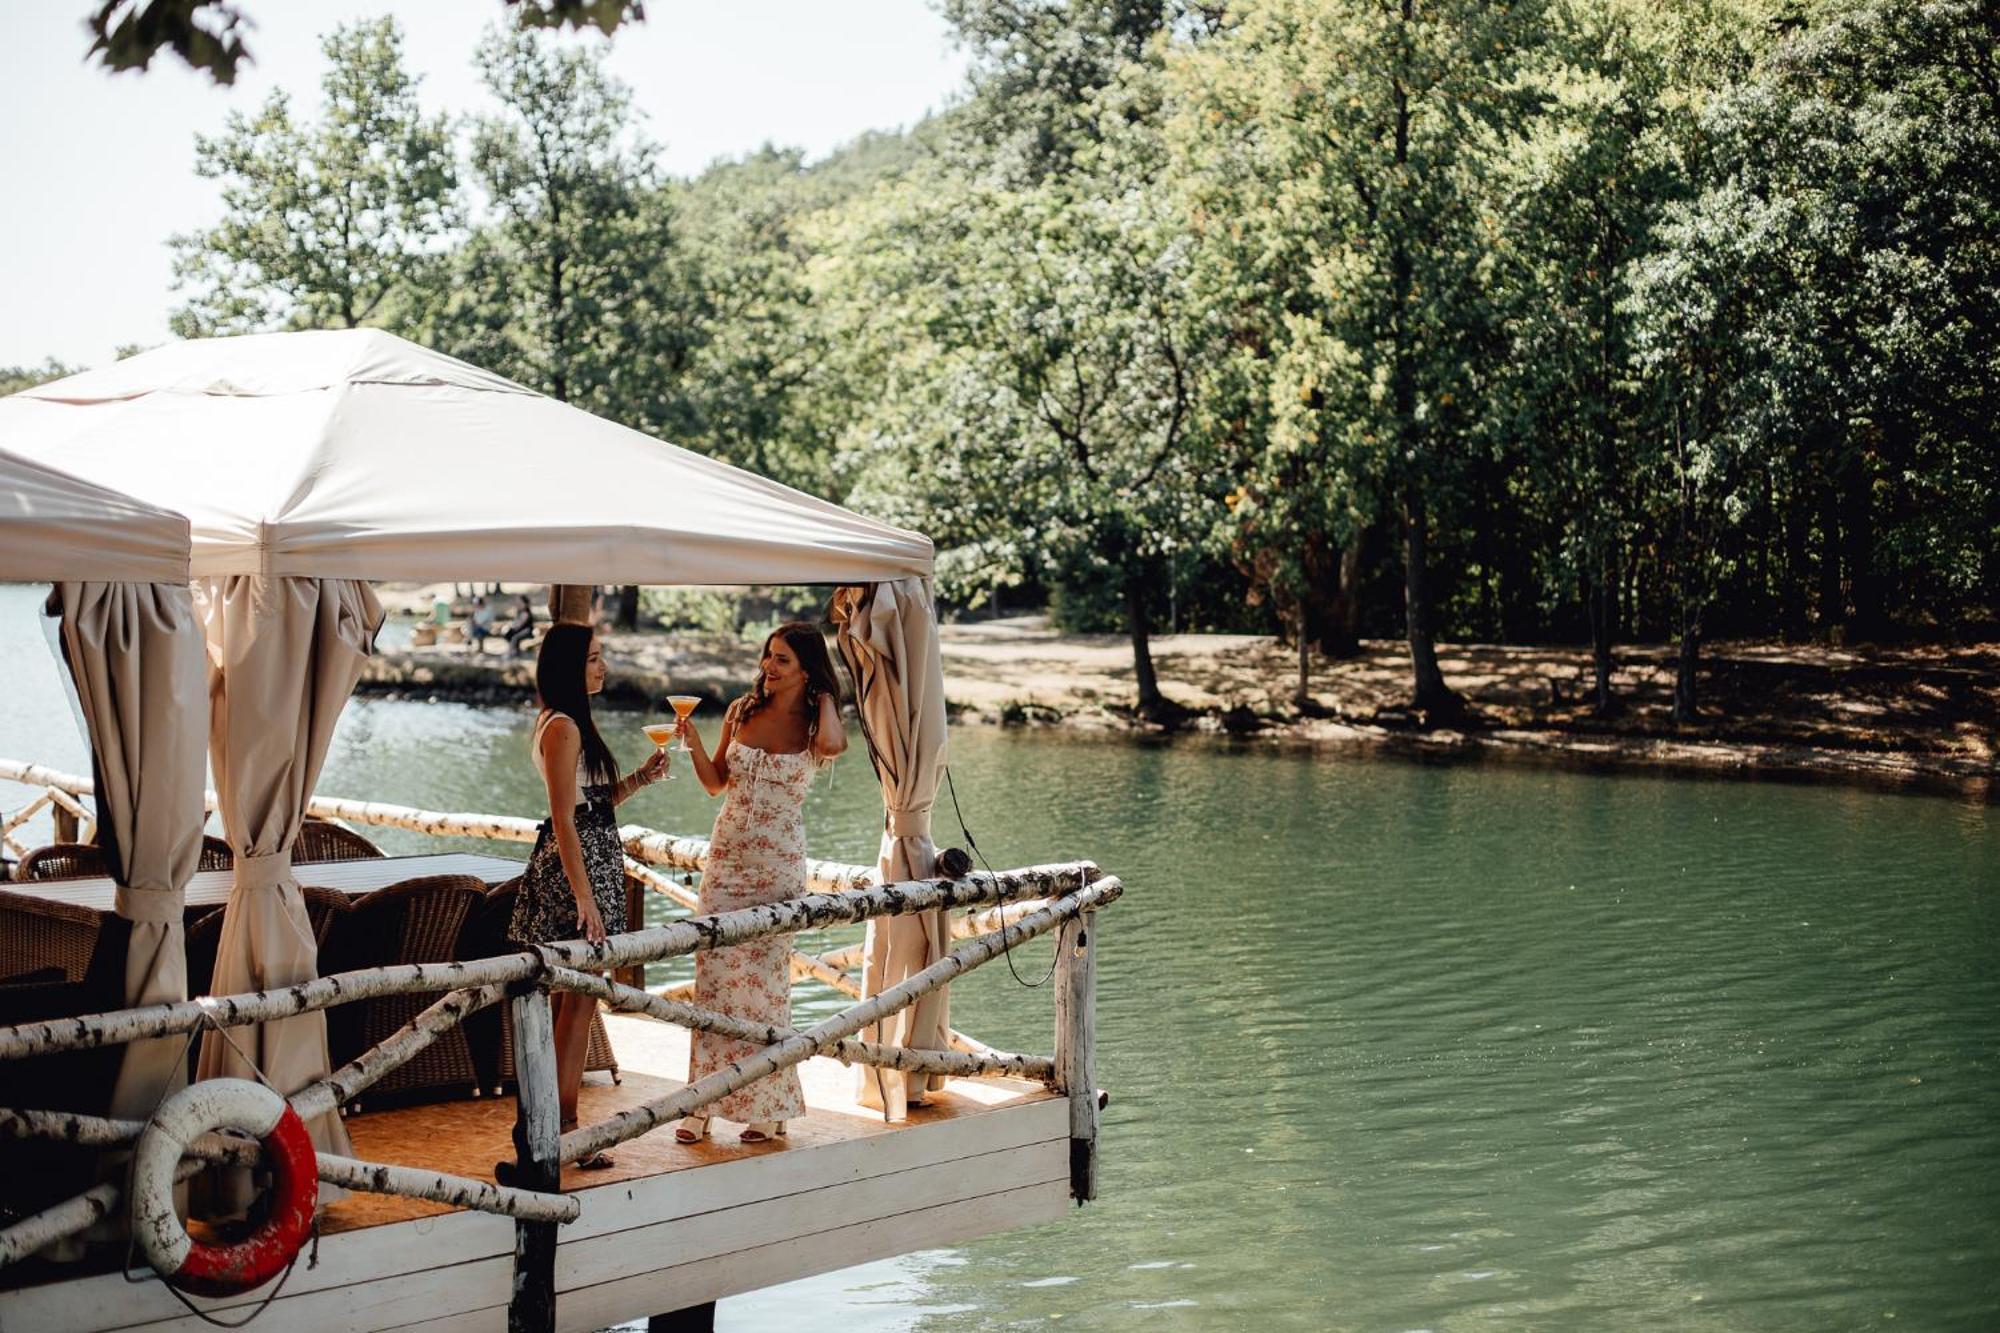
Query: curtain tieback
x: 908, y: 823
x: 265, y: 871
x: 136, y: 902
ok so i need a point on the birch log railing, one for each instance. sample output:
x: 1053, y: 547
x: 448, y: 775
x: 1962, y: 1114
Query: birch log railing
x: 1014, y: 906
x: 646, y: 852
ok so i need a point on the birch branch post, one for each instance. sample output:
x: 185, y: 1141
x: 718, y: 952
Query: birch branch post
x: 1076, y: 1041
x: 537, y: 1133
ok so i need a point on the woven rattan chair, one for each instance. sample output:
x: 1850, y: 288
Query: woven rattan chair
x: 416, y: 921
x: 63, y: 860
x: 37, y: 934
x: 215, y: 854
x: 319, y: 840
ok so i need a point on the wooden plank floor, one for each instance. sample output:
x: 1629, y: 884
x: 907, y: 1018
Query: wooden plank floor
x: 669, y: 1226
x: 466, y: 1138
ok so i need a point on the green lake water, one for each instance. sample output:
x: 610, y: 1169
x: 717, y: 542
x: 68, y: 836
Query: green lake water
x: 1398, y: 1047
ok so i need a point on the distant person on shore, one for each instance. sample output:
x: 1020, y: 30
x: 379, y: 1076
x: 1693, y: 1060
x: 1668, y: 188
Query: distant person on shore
x: 574, y: 883
x: 522, y: 629
x: 774, y: 738
x: 480, y: 628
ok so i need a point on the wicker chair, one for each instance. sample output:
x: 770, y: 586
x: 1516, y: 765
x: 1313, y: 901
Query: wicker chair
x: 37, y: 934
x: 215, y: 854
x: 63, y: 860
x: 416, y: 921
x: 319, y: 840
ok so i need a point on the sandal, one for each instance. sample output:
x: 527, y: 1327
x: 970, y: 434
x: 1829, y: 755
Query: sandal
x: 762, y: 1131
x: 691, y: 1129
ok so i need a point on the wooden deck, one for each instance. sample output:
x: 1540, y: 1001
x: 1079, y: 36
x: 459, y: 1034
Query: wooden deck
x: 669, y: 1226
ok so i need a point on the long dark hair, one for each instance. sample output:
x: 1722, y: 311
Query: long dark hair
x: 809, y: 646
x: 559, y: 685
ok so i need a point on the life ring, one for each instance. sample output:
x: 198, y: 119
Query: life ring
x: 224, y: 1270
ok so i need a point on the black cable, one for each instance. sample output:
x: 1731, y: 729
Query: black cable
x: 1007, y: 949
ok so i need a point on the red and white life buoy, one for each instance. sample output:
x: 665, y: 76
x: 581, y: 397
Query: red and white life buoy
x: 223, y: 1270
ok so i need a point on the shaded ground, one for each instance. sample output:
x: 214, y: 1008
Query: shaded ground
x: 1927, y: 715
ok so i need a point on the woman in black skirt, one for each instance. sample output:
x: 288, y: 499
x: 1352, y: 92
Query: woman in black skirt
x: 574, y: 885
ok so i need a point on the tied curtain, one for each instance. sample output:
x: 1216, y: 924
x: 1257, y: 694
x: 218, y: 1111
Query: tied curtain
x: 888, y: 636
x: 134, y: 651
x: 284, y: 654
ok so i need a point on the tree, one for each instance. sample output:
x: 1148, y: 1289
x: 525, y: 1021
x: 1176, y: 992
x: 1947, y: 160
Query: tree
x: 573, y: 287
x: 1037, y: 393
x: 207, y: 34
x: 1583, y: 190
x: 1339, y: 152
x: 13, y: 379
x: 336, y: 224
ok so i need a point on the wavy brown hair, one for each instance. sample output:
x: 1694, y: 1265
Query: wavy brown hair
x: 809, y: 646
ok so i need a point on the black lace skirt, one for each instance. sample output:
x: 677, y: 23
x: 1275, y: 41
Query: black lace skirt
x: 545, y: 908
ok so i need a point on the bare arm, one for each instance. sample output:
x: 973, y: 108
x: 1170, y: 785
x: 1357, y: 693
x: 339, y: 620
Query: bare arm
x: 713, y: 772
x: 561, y: 744
x: 831, y: 738
x: 645, y: 775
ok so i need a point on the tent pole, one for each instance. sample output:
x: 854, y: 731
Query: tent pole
x: 569, y: 603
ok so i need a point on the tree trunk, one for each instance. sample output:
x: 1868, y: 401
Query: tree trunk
x: 628, y: 606
x: 1302, y: 697
x: 1857, y: 531
x: 1832, y: 606
x: 1792, y: 608
x: 1687, y: 704
x: 1602, y: 623
x: 1431, y: 694
x: 1340, y: 624
x: 1151, y: 701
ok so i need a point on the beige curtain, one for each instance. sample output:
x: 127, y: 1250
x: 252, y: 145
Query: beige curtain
x: 888, y: 636
x: 284, y: 655
x: 135, y: 652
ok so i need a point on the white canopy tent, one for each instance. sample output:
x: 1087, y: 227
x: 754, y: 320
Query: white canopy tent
x: 311, y: 462
x: 134, y: 652
x: 355, y: 454
x: 56, y: 526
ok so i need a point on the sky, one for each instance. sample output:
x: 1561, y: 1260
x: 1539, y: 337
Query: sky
x: 99, y: 168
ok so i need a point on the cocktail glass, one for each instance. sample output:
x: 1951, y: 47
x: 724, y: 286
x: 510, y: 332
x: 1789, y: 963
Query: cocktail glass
x: 661, y: 734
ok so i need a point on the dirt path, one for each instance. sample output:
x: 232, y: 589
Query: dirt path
x: 1927, y: 716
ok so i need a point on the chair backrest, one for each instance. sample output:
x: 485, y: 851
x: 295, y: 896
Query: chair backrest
x: 63, y: 860
x: 215, y: 854
x: 414, y: 921
x: 37, y: 934
x: 319, y: 840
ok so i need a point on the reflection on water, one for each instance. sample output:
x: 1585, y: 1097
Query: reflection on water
x: 1398, y: 1047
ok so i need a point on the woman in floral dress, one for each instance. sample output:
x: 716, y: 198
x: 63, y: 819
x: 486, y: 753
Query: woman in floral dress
x: 773, y: 740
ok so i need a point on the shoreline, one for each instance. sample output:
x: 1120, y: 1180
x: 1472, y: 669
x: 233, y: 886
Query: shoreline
x: 1912, y: 720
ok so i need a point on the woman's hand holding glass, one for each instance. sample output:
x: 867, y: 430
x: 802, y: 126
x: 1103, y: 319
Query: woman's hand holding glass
x: 659, y: 764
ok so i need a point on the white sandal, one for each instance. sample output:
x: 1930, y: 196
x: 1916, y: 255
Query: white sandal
x: 762, y: 1131
x: 691, y: 1129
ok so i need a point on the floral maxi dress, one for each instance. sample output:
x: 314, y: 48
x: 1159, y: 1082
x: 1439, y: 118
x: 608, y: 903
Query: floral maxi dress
x: 756, y: 855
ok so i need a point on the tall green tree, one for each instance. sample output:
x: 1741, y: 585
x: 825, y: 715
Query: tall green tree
x: 573, y: 286
x: 1340, y: 153
x: 331, y: 224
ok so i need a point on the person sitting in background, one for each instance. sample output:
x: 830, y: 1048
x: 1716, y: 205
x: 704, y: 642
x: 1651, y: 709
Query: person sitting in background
x: 522, y: 629
x: 481, y: 629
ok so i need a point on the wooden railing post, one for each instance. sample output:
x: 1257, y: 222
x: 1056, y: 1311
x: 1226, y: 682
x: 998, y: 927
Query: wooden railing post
x: 66, y: 826
x: 1076, y: 1038
x: 537, y: 1140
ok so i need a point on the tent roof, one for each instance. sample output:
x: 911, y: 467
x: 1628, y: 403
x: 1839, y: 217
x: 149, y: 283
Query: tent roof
x: 356, y: 454
x: 54, y: 526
